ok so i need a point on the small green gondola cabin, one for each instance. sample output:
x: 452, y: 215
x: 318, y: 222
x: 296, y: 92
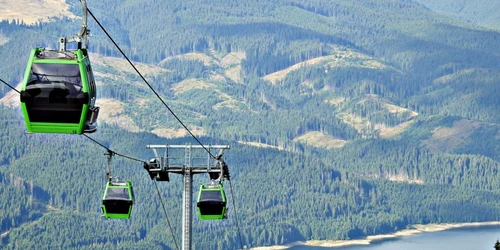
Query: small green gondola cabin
x: 211, y: 204
x: 58, y: 92
x: 118, y: 200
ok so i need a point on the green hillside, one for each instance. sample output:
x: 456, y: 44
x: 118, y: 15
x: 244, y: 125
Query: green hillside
x: 345, y: 119
x: 481, y: 12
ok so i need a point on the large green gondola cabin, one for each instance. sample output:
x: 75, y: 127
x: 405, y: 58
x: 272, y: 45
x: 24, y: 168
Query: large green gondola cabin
x: 118, y: 200
x: 211, y: 204
x: 58, y: 92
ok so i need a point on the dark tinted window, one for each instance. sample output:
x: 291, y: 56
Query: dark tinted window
x: 54, y: 91
x: 209, y: 208
x: 117, y: 193
x: 117, y: 206
x: 90, y: 79
x: 45, y: 72
x: 211, y: 195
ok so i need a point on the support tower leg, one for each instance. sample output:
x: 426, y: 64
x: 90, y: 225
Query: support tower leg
x: 187, y: 208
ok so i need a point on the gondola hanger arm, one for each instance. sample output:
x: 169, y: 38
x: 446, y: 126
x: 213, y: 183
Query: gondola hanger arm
x: 80, y: 37
x: 224, y: 170
x: 108, y: 170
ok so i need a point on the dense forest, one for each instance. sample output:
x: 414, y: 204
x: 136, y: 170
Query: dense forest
x: 481, y: 12
x: 345, y: 119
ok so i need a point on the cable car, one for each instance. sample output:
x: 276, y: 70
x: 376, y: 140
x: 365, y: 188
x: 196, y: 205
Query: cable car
x: 58, y: 92
x: 118, y: 200
x: 211, y: 203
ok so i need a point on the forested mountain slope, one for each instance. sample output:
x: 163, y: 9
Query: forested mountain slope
x: 344, y: 119
x: 481, y: 12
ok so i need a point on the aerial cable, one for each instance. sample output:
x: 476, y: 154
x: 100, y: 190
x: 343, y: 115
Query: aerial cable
x: 149, y: 85
x: 225, y: 174
x: 166, y: 215
x: 113, y: 152
x: 235, y: 213
x: 10, y: 86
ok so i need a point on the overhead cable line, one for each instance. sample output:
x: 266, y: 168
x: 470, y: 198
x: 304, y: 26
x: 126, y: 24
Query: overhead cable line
x: 227, y: 175
x: 149, y: 85
x: 166, y: 215
x: 10, y: 86
x: 113, y: 152
x: 235, y: 213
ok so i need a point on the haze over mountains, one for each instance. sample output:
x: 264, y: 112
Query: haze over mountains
x: 345, y: 118
x: 482, y: 12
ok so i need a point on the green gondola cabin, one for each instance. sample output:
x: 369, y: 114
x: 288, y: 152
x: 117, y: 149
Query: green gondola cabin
x: 211, y: 204
x: 58, y: 92
x: 118, y: 200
